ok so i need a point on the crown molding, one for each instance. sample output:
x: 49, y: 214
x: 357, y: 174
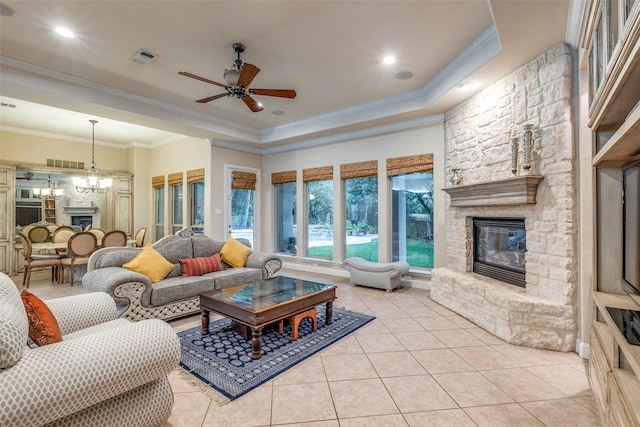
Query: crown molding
x: 349, y: 136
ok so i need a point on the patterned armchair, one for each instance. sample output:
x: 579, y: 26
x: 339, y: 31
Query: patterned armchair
x: 106, y: 371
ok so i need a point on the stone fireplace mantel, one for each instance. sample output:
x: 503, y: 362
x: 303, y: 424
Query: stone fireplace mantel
x: 80, y: 210
x: 512, y: 191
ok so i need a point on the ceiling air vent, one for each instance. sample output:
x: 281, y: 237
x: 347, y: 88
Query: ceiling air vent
x: 143, y: 57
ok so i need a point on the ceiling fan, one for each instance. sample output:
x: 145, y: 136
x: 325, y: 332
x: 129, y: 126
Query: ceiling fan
x: 238, y: 78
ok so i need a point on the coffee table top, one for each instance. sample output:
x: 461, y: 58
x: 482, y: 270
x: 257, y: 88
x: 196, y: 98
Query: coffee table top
x: 267, y: 293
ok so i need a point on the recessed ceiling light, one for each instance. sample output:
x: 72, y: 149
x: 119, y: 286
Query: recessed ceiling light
x: 5, y: 10
x: 404, y: 75
x: 277, y: 112
x: 466, y: 85
x: 389, y: 60
x: 65, y: 32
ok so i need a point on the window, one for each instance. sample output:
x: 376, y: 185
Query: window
x: 361, y: 209
x: 157, y: 182
x: 319, y: 200
x: 196, y: 190
x: 243, y: 205
x: 176, y: 202
x: 284, y: 184
x: 195, y: 179
x: 412, y: 209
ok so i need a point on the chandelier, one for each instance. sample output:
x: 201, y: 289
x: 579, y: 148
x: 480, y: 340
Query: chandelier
x: 92, y: 182
x: 48, y: 190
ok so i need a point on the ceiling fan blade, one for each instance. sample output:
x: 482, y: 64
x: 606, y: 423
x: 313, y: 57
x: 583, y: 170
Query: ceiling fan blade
x: 252, y: 104
x: 202, y: 79
x: 282, y: 93
x: 249, y: 71
x: 211, y: 98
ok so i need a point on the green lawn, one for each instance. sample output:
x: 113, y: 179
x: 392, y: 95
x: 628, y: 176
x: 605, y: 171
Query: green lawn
x: 420, y: 254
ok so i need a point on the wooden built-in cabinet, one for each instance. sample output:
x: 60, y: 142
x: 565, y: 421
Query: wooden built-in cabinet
x: 50, y: 211
x: 611, y: 34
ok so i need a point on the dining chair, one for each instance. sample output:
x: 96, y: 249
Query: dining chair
x: 32, y: 260
x: 87, y: 228
x: 140, y: 237
x: 98, y: 233
x: 114, y: 238
x: 38, y: 234
x: 52, y: 228
x: 79, y: 247
x: 62, y: 235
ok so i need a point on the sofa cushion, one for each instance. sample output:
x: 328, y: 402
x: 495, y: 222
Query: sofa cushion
x: 204, y: 246
x: 43, y: 326
x: 14, y: 325
x: 233, y: 276
x: 234, y: 253
x: 178, y: 288
x: 150, y: 263
x: 201, y: 265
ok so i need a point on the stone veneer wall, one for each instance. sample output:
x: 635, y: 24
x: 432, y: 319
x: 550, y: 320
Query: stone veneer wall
x: 477, y: 141
x: 72, y: 198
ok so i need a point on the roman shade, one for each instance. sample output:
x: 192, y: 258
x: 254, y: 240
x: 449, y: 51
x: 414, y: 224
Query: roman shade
x: 317, y: 174
x: 359, y: 169
x: 175, y: 178
x: 195, y: 175
x: 243, y: 180
x: 410, y: 164
x: 283, y: 177
x: 157, y: 181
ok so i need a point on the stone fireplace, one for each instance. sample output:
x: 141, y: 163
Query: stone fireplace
x: 540, y: 309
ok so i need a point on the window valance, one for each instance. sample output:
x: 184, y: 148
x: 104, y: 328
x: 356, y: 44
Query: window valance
x: 359, y: 169
x: 243, y: 180
x: 317, y: 174
x: 157, y: 181
x: 283, y: 177
x: 410, y: 164
x: 175, y: 178
x: 195, y: 175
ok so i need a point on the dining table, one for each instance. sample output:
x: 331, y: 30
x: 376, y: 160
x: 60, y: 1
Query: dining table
x: 45, y: 247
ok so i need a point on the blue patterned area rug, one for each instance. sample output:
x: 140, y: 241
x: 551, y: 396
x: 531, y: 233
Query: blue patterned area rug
x: 223, y: 360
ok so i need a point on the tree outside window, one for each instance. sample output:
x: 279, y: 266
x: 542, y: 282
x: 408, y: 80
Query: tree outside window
x: 412, y: 218
x: 197, y: 206
x: 159, y: 212
x: 285, y: 195
x: 177, y: 221
x: 320, y: 219
x: 361, y: 203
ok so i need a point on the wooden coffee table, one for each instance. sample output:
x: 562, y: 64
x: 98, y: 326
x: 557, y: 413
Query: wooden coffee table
x: 261, y: 303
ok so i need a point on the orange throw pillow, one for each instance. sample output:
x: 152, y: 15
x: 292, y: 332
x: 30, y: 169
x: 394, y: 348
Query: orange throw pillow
x: 43, y: 326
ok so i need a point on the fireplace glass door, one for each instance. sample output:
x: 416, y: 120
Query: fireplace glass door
x: 499, y: 246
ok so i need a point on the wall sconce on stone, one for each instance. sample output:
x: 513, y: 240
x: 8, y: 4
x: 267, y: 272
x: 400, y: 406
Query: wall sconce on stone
x: 455, y: 177
x: 527, y: 141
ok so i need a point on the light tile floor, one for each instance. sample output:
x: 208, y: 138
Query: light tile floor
x: 416, y: 364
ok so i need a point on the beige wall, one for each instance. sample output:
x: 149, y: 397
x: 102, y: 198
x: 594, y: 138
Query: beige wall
x: 34, y: 151
x: 180, y: 156
x: 429, y: 139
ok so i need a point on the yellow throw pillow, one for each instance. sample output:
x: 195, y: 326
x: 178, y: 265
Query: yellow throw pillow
x: 150, y: 263
x: 234, y: 253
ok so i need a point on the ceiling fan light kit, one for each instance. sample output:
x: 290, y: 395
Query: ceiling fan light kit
x: 238, y: 78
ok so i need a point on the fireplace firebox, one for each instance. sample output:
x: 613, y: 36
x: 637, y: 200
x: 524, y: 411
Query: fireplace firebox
x: 499, y: 246
x: 81, y: 220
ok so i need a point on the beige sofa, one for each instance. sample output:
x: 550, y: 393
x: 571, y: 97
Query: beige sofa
x: 175, y: 295
x: 101, y: 373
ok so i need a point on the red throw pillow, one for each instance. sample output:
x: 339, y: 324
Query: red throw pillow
x: 202, y: 265
x: 43, y: 326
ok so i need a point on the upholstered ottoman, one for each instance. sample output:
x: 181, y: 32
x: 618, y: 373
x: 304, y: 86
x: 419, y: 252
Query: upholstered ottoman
x: 382, y: 275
